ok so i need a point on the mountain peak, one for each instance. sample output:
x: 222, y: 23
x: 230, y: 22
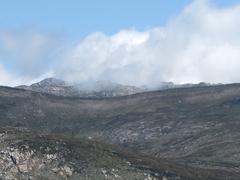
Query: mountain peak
x: 98, y: 89
x: 49, y: 82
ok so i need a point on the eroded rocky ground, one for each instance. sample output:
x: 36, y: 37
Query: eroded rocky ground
x: 26, y: 155
x: 29, y: 155
x: 195, y: 127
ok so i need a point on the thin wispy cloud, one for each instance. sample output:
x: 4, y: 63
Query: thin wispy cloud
x: 201, y: 44
x: 31, y: 54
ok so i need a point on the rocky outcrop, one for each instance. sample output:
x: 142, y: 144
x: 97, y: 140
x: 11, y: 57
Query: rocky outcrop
x: 29, y: 155
x: 86, y: 90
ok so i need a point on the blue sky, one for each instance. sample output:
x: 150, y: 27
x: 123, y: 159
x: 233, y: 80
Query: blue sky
x: 138, y: 41
x: 77, y: 18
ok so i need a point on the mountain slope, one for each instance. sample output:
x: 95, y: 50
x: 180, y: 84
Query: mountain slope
x: 196, y: 126
x: 26, y: 154
x: 29, y: 155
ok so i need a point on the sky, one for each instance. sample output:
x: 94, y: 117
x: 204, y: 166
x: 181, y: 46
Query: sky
x: 129, y: 42
x: 78, y: 18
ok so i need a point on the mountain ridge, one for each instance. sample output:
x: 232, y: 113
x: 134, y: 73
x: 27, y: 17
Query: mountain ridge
x: 98, y: 89
x: 196, y: 126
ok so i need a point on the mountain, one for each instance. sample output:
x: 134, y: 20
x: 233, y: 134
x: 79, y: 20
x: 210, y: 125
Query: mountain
x: 171, y: 85
x: 29, y: 155
x: 194, y: 126
x: 97, y: 89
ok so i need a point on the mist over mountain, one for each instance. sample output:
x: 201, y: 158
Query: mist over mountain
x: 98, y: 89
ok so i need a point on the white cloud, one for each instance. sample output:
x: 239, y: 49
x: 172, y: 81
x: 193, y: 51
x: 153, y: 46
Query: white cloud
x: 201, y: 44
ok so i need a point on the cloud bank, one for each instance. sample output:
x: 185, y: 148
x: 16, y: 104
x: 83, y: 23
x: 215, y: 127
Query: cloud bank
x: 201, y: 44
